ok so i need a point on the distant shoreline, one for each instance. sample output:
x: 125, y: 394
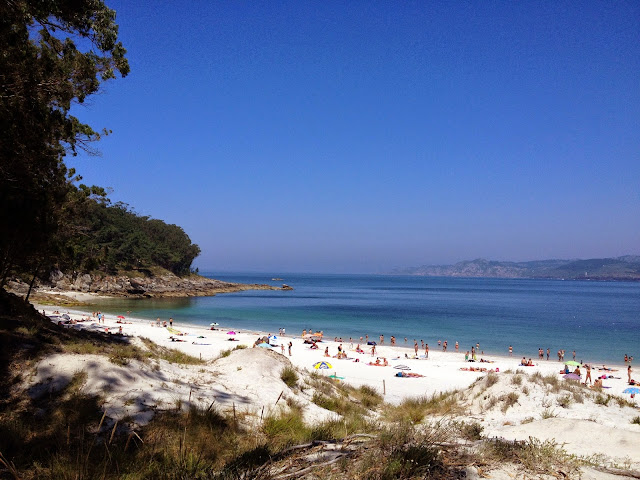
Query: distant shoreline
x: 625, y: 268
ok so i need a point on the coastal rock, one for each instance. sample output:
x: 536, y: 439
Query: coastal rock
x: 165, y: 285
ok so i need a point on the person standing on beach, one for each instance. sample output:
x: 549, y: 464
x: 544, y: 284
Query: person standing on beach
x: 381, y: 339
x: 548, y: 353
x: 588, y: 377
x: 629, y: 374
x: 290, y: 345
x: 457, y: 346
x: 415, y: 348
x: 171, y: 321
x: 510, y: 351
x: 574, y: 355
x: 426, y: 350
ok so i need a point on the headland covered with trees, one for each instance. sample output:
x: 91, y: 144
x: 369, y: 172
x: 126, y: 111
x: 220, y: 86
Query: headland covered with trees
x: 55, y: 55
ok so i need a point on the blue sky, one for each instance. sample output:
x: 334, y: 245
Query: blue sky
x: 361, y: 136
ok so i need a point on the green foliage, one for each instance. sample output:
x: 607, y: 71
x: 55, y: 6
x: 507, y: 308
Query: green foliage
x: 368, y: 396
x: 403, y: 452
x: 289, y: 376
x: 112, y: 238
x: 536, y: 456
x: 413, y: 410
x: 54, y: 54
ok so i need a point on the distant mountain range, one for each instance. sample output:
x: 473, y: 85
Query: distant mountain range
x: 620, y: 268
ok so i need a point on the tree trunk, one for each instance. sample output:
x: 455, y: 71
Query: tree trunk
x: 33, y: 279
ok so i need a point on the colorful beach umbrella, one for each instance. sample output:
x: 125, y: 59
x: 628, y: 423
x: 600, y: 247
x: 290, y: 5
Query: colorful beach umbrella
x: 572, y: 363
x: 572, y: 376
x: 214, y: 324
x: 231, y: 332
x: 264, y: 345
x: 322, y: 365
x: 632, y: 390
x: 121, y: 317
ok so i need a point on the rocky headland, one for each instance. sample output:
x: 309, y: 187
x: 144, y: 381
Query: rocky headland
x: 164, y: 284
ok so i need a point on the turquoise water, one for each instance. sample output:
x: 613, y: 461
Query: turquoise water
x: 600, y: 320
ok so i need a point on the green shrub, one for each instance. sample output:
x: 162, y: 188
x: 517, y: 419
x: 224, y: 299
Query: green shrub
x: 368, y: 396
x: 289, y: 376
x: 544, y: 458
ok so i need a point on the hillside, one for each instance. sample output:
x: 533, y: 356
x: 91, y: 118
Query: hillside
x: 620, y: 268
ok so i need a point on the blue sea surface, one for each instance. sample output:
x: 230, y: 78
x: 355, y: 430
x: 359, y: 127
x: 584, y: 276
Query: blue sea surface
x: 600, y: 320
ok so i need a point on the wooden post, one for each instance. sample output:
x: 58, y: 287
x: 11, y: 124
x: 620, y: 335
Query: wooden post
x: 384, y: 388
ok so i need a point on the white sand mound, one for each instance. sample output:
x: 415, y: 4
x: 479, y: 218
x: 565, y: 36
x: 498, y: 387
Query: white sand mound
x: 582, y: 437
x: 519, y: 406
x: 247, y: 380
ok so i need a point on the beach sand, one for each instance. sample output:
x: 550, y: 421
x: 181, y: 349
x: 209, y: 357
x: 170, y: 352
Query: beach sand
x: 249, y: 380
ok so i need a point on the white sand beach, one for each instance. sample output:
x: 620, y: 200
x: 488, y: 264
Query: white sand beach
x: 248, y: 380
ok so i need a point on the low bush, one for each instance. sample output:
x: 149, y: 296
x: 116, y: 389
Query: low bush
x: 289, y: 376
x: 544, y: 458
x: 564, y: 401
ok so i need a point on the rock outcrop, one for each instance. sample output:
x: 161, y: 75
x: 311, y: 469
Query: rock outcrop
x: 165, y: 285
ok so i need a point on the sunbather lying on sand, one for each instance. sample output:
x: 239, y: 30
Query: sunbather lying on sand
x: 408, y: 374
x: 378, y: 363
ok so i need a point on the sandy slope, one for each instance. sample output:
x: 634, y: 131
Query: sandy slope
x: 250, y: 380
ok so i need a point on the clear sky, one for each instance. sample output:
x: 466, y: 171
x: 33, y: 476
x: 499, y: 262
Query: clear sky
x: 313, y: 136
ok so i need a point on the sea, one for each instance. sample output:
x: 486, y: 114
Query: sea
x: 599, y: 320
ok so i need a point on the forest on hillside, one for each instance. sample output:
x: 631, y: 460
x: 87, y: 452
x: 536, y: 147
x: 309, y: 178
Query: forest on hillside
x: 54, y: 56
x: 102, y: 237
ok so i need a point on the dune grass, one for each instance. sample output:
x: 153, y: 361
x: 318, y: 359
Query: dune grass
x: 543, y: 458
x: 414, y: 410
x: 289, y: 376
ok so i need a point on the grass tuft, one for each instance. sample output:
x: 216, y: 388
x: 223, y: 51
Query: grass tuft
x: 289, y: 376
x: 413, y: 410
x: 544, y: 458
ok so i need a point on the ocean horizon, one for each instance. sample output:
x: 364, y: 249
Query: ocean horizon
x: 599, y: 320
